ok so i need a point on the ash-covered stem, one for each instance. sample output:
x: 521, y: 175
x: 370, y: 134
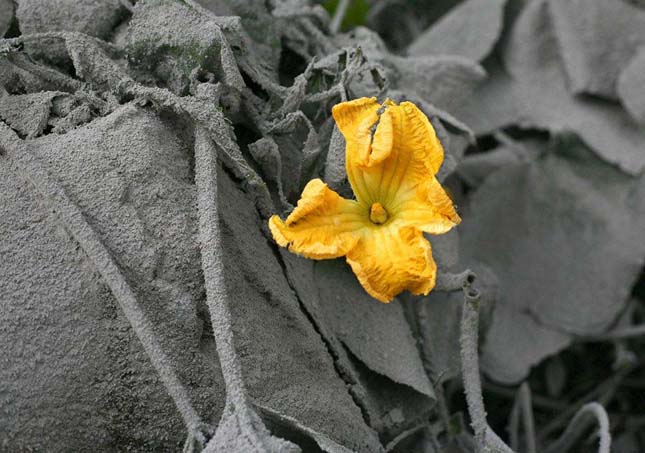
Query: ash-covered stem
x: 454, y: 282
x: 523, y: 408
x: 339, y: 15
x: 526, y: 404
x: 240, y: 428
x: 213, y: 265
x: 487, y: 440
x: 579, y: 424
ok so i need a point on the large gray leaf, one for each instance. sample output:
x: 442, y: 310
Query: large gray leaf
x: 285, y: 362
x: 597, y: 39
x: 392, y: 398
x: 76, y: 376
x: 382, y: 353
x: 533, y: 59
x: 630, y: 87
x: 470, y: 29
x: 435, y: 320
x: 476, y: 167
x: 443, y: 80
x: 533, y: 92
x: 384, y: 342
x: 564, y: 236
x: 496, y: 103
x: 515, y: 343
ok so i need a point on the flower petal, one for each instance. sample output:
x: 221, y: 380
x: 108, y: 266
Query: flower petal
x: 390, y: 148
x: 349, y: 115
x: 389, y: 260
x: 323, y: 224
x: 355, y: 119
x: 428, y: 208
x: 416, y: 153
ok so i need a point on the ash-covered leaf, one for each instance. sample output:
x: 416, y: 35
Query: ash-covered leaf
x: 597, y: 38
x: 382, y: 353
x: 515, y: 343
x: 497, y: 102
x: 92, y: 63
x: 27, y: 113
x: 76, y: 374
x: 436, y: 321
x: 298, y: 147
x: 259, y: 23
x: 444, y: 81
x: 335, y: 173
x: 6, y: 16
x: 470, y: 30
x: 267, y: 155
x: 285, y: 363
x: 175, y: 42
x: 91, y: 17
x: 630, y: 87
x: 389, y: 402
x: 302, y: 25
x: 530, y: 89
x: 384, y: 342
x: 391, y: 408
x: 564, y: 236
x: 533, y: 58
x: 16, y: 80
x: 280, y: 422
x: 475, y: 168
x: 33, y: 114
x: 445, y: 248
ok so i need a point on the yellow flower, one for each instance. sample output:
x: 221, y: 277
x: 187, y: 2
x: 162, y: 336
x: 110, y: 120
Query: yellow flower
x: 392, y: 157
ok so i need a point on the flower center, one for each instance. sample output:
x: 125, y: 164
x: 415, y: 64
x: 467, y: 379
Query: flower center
x: 378, y: 214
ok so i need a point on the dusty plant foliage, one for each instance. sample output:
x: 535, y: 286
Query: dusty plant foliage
x: 145, y: 307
